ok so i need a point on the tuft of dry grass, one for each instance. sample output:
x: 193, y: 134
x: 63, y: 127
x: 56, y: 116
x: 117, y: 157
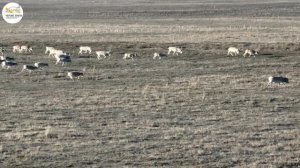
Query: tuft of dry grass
x: 50, y: 132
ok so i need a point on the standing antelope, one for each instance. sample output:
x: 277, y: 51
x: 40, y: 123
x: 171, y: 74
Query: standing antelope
x: 85, y: 49
x: 175, y: 50
x: 16, y: 48
x: 103, y: 54
x: 41, y: 65
x: 62, y: 58
x: 278, y: 80
x: 29, y: 68
x: 25, y: 49
x: 8, y: 64
x: 250, y: 53
x: 74, y: 74
x: 129, y: 56
x: 159, y: 55
x: 5, y: 58
x: 233, y: 51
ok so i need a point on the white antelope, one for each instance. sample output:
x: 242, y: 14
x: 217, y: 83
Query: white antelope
x: 29, y: 68
x: 175, y: 50
x: 278, y: 80
x: 250, y: 53
x: 54, y: 53
x: 129, y: 56
x: 16, y: 48
x: 233, y: 51
x: 25, y: 49
x: 49, y: 49
x: 159, y: 55
x: 103, y: 54
x: 74, y: 74
x: 85, y: 49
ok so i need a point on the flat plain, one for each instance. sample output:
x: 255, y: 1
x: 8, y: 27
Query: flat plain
x: 199, y: 109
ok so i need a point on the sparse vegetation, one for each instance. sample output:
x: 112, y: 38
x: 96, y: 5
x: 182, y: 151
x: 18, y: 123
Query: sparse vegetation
x: 199, y: 109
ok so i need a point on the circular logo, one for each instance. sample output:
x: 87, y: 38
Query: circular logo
x: 12, y: 13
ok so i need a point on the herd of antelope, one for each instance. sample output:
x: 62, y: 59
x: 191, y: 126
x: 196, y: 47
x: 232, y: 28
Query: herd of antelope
x: 62, y: 58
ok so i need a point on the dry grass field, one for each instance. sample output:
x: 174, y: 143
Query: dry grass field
x: 199, y: 109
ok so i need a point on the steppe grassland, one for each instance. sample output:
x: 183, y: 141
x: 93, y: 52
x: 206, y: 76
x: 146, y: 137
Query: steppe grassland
x: 194, y: 30
x: 198, y: 109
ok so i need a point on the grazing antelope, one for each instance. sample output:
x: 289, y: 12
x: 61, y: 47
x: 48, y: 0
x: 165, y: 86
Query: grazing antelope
x: 129, y: 56
x: 233, y: 51
x: 278, y: 80
x: 74, y: 74
x: 25, y: 49
x: 85, y: 49
x: 8, y: 64
x: 159, y: 55
x: 175, y: 50
x: 29, y: 68
x: 250, y: 53
x: 41, y: 65
x: 16, y: 48
x: 4, y: 58
x: 103, y: 54
x: 63, y: 58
